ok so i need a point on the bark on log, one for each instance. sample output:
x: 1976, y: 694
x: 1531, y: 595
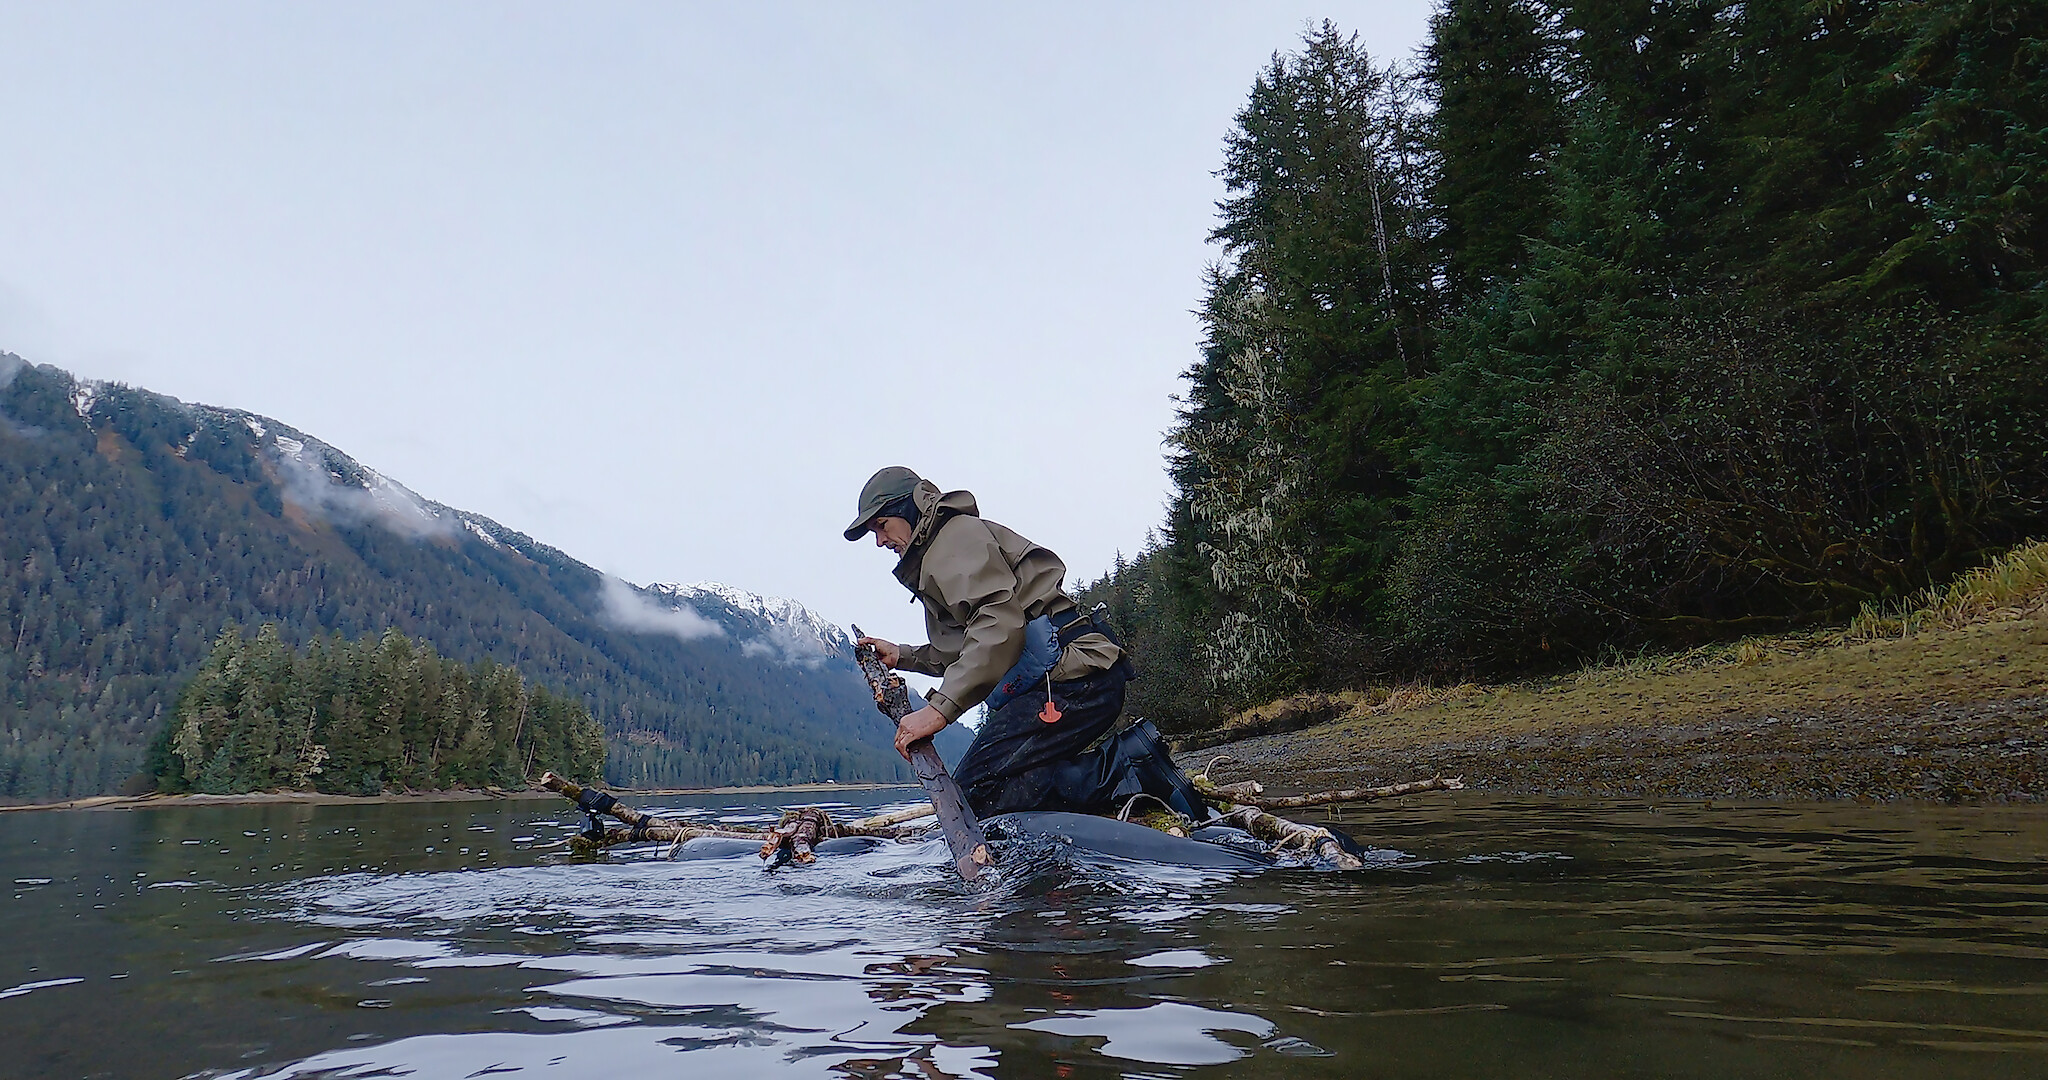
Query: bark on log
x: 791, y: 838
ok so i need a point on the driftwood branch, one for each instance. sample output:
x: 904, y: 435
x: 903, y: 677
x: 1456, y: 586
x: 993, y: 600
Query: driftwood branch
x: 1250, y: 793
x: 1284, y: 834
x: 1245, y: 804
x: 864, y: 826
x: 791, y: 839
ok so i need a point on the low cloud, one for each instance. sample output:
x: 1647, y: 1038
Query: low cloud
x: 313, y: 483
x: 630, y: 609
x: 788, y: 645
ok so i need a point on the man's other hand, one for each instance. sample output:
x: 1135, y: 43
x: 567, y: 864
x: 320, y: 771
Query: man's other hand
x: 922, y: 724
x: 889, y: 651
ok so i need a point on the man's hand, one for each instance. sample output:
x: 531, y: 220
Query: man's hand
x: 922, y: 724
x: 889, y: 651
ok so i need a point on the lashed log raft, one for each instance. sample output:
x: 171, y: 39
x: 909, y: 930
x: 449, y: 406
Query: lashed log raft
x: 1244, y: 805
x: 642, y: 827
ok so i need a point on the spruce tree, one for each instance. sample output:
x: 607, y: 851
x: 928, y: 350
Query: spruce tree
x: 1492, y: 68
x: 1298, y: 438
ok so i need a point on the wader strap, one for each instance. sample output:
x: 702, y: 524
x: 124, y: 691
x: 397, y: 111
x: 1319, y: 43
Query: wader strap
x: 1070, y: 624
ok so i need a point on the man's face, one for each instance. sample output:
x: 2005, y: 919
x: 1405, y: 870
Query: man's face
x: 891, y: 532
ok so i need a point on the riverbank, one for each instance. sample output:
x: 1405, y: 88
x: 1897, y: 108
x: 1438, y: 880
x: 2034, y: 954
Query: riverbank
x: 628, y: 795
x: 1947, y: 713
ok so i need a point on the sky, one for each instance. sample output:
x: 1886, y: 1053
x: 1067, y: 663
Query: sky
x: 657, y: 284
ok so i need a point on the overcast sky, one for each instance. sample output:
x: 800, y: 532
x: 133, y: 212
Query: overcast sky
x: 658, y: 285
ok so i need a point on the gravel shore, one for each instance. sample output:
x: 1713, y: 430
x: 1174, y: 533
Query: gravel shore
x: 1979, y: 751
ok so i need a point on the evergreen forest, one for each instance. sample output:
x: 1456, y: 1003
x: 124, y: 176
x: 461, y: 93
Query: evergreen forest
x: 1602, y: 326
x: 363, y: 717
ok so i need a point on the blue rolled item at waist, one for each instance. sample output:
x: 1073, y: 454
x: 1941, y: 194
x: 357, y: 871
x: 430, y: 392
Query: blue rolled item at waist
x: 1041, y: 652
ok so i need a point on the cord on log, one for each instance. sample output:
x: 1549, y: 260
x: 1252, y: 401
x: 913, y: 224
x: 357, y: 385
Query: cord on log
x: 791, y: 839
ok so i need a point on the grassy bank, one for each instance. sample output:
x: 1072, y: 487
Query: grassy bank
x: 1944, y: 697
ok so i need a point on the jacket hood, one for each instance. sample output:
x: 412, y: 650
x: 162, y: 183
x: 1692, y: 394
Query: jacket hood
x: 933, y: 508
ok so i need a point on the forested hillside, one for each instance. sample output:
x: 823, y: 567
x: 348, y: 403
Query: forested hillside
x: 138, y: 528
x: 1606, y: 325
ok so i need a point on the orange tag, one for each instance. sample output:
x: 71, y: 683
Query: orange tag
x: 1051, y: 713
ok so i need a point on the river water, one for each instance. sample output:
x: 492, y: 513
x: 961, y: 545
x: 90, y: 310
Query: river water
x: 1489, y: 938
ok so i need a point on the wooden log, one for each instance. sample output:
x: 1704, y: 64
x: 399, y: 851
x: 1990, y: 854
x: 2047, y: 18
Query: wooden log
x: 642, y: 827
x: 866, y: 826
x: 1239, y: 793
x: 613, y: 835
x: 964, y: 837
x: 573, y: 791
x: 1284, y: 834
x: 791, y: 839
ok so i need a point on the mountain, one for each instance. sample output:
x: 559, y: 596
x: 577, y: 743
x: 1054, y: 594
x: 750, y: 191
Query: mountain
x: 138, y: 528
x: 770, y: 625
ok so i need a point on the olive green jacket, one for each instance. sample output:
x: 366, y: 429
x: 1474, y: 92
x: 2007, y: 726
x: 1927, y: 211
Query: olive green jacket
x: 980, y: 583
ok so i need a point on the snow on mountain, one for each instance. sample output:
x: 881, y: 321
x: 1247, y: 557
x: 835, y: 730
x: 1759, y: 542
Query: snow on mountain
x: 772, y: 626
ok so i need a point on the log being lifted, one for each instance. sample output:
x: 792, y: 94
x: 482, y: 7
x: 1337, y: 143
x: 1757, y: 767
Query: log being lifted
x: 963, y: 833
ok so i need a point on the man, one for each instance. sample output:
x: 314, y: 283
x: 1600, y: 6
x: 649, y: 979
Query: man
x: 1003, y: 631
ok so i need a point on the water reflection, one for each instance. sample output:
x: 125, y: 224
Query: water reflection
x: 1512, y: 938
x: 1168, y: 1033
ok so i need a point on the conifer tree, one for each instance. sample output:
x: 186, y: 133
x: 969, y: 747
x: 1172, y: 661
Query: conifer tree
x: 1492, y: 68
x: 1300, y: 427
